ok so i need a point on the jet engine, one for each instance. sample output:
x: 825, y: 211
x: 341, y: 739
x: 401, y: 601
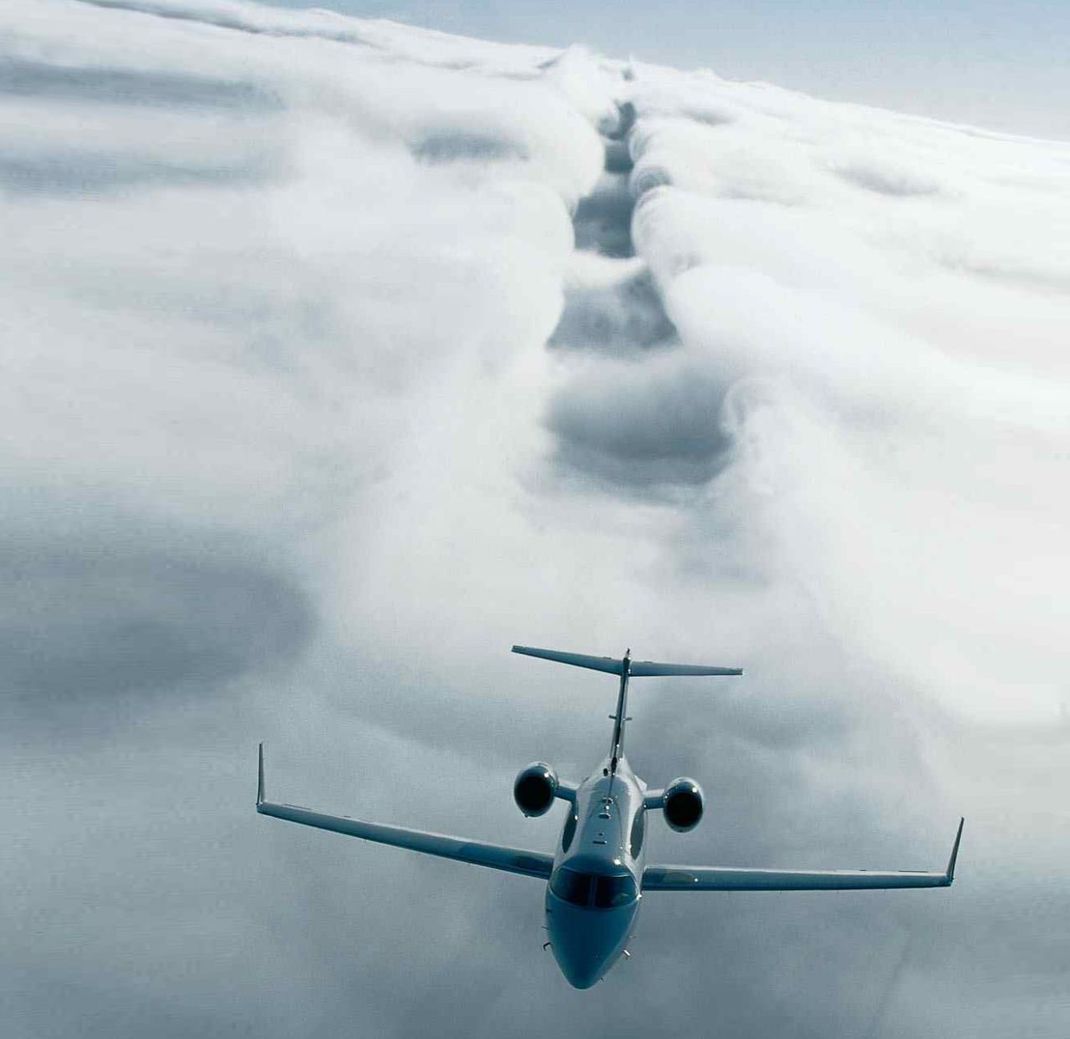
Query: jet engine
x: 535, y: 788
x: 683, y: 804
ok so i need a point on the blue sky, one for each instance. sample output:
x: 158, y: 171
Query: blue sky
x: 999, y: 65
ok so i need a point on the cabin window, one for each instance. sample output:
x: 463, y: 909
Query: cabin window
x: 569, y: 831
x: 635, y: 841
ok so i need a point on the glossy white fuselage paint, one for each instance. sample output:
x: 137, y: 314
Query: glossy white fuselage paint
x: 587, y: 941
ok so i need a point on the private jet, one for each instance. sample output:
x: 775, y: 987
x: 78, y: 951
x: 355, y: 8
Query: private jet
x: 597, y: 876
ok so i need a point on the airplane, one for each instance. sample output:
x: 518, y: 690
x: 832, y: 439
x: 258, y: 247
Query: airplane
x: 597, y: 876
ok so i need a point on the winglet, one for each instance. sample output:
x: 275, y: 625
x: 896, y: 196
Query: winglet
x: 950, y: 871
x: 260, y: 778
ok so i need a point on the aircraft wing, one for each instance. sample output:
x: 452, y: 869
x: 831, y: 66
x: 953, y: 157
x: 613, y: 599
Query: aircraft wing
x: 494, y: 856
x: 716, y: 878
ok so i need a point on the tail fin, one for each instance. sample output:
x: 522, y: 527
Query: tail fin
x: 636, y: 669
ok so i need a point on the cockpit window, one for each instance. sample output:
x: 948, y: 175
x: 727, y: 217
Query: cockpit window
x: 610, y: 892
x: 572, y: 886
x: 586, y: 889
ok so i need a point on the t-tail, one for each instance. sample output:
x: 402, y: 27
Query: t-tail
x: 626, y: 668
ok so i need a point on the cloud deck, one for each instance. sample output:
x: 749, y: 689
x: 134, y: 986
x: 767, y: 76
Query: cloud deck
x: 341, y: 355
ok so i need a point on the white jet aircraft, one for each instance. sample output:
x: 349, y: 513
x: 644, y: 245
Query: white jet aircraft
x: 597, y: 875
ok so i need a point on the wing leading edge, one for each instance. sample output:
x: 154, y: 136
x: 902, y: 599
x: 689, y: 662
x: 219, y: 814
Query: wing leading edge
x: 478, y: 853
x: 713, y: 878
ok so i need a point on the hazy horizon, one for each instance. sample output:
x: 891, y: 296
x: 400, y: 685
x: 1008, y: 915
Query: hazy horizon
x: 998, y: 66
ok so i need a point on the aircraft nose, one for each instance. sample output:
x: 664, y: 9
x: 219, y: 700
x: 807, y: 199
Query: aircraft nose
x: 579, y: 977
x: 585, y: 942
x: 578, y: 956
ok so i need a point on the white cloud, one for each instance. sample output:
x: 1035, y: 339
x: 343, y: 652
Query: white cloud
x: 868, y: 295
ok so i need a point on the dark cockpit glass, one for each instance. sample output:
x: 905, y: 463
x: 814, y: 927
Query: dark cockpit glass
x: 572, y: 886
x: 586, y: 889
x: 610, y: 892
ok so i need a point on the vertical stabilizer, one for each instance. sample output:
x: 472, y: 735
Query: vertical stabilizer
x: 617, y: 750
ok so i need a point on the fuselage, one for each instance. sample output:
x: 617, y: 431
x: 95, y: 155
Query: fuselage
x: 594, y: 892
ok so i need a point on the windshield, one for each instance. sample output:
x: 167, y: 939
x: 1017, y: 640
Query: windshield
x: 587, y: 889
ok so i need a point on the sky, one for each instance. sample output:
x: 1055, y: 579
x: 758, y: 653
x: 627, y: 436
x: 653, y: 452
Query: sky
x: 993, y: 64
x: 341, y: 355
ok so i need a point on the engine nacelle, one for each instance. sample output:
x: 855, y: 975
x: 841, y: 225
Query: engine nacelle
x: 683, y: 804
x: 535, y: 788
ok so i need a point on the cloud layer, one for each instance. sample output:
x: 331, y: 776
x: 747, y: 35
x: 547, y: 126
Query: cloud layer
x: 341, y: 355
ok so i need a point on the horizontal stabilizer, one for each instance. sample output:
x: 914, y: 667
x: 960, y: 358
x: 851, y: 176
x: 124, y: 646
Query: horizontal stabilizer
x: 637, y: 668
x: 607, y: 664
x: 644, y: 668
